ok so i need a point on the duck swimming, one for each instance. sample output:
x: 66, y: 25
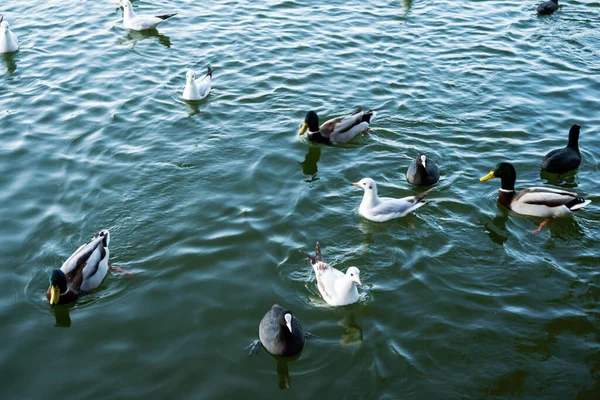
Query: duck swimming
x: 566, y: 159
x: 83, y: 271
x: 535, y: 201
x: 422, y: 171
x: 337, y: 130
x: 547, y: 7
x: 281, y: 333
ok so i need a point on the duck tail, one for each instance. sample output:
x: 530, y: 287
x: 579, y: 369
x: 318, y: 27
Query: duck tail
x: 367, y: 116
x: 421, y: 196
x: 166, y: 16
x: 577, y: 203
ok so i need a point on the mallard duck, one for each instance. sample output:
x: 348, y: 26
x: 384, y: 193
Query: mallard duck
x: 83, y: 271
x: 535, y: 201
x: 547, y: 7
x: 281, y: 333
x: 422, y: 171
x: 337, y: 130
x: 336, y: 288
x: 8, y: 40
x: 197, y: 89
x: 381, y: 209
x: 140, y: 22
x: 568, y: 158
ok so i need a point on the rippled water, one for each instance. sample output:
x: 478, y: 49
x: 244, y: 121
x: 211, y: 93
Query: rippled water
x: 209, y: 203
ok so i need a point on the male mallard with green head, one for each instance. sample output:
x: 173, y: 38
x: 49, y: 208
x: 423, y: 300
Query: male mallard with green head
x: 83, y: 271
x: 337, y: 130
x: 535, y: 201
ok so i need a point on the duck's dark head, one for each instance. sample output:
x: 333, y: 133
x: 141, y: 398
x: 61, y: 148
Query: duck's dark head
x: 574, y: 136
x: 105, y: 235
x: 285, y: 319
x: 311, y: 122
x: 506, y: 172
x: 58, y: 286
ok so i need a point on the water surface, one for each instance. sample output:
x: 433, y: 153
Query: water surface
x: 209, y: 203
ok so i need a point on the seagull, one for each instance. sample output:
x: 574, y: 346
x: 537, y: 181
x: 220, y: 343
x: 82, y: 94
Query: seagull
x: 140, y: 22
x: 8, y: 40
x: 336, y: 288
x: 381, y: 209
x: 197, y: 89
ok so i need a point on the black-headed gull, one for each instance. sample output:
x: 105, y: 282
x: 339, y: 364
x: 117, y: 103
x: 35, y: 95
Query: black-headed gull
x: 197, y: 89
x: 336, y: 288
x: 381, y: 209
x: 140, y: 22
x: 8, y: 40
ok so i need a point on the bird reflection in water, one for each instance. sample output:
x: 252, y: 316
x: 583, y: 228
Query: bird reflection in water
x: 62, y: 315
x: 353, y: 335
x: 309, y: 165
x: 132, y: 37
x: 282, y: 370
x: 566, y: 180
x: 194, y: 106
x: 9, y: 62
x: 496, y: 229
x: 282, y: 362
x: 406, y: 5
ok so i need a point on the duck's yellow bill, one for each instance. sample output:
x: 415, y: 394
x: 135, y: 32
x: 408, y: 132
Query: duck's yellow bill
x: 487, y: 177
x: 303, y: 129
x: 359, y: 282
x: 54, y: 294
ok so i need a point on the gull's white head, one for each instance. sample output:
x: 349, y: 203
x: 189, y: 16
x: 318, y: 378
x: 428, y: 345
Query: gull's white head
x: 367, y: 184
x: 288, y: 320
x: 354, y: 275
x: 190, y: 76
x: 423, y: 160
x: 126, y: 5
x: 4, y: 27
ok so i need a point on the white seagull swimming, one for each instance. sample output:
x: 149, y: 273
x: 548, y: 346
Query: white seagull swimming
x: 381, y: 209
x: 197, y: 89
x: 8, y: 40
x: 336, y: 288
x: 140, y: 22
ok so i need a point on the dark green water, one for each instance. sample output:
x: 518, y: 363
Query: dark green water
x: 209, y: 204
